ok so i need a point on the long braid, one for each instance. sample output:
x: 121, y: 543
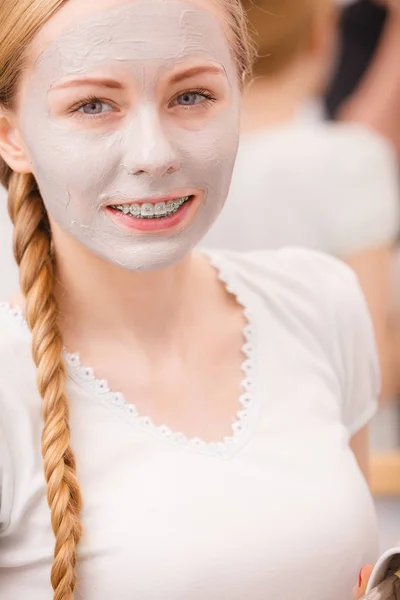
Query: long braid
x: 32, y: 249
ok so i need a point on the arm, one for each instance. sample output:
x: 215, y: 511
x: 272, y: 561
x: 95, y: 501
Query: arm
x: 372, y: 268
x: 359, y: 444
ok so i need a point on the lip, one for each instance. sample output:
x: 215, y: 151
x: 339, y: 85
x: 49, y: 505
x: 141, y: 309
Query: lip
x: 183, y: 215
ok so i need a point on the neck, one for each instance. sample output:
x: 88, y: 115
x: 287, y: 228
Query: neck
x: 98, y: 300
x: 276, y: 99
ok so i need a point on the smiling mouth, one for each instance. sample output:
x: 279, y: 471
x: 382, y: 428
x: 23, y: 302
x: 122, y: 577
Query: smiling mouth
x: 150, y: 210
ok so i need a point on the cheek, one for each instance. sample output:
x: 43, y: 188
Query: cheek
x: 215, y: 139
x: 210, y: 152
x: 70, y: 163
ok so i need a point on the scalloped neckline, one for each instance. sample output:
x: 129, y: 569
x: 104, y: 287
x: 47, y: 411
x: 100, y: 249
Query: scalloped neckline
x: 99, y: 390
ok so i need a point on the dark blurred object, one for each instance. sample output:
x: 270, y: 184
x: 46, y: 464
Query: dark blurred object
x: 361, y: 25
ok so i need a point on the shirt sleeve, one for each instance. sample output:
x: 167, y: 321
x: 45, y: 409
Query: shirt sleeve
x: 342, y: 324
x: 361, y: 379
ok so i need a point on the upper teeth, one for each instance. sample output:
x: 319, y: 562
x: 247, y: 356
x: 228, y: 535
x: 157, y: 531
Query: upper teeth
x: 148, y: 210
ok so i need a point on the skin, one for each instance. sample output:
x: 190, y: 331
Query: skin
x: 117, y: 316
x: 361, y: 588
x: 144, y: 142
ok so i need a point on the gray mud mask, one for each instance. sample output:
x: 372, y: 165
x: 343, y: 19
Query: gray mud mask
x: 77, y: 170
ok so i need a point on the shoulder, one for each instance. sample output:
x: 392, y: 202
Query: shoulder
x: 317, y: 300
x: 348, y: 138
x: 341, y: 178
x: 355, y: 154
x: 293, y: 272
x: 334, y: 148
x: 306, y: 290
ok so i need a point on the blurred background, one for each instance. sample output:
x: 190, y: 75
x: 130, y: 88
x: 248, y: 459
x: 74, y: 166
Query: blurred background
x: 318, y: 165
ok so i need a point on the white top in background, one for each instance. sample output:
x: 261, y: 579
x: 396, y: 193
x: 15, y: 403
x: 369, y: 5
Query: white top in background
x: 331, y: 187
x: 277, y: 511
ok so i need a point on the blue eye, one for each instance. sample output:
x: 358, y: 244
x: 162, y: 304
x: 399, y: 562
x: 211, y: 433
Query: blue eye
x: 97, y: 107
x: 191, y: 98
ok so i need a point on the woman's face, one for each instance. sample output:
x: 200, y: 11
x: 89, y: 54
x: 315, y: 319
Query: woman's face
x: 130, y: 117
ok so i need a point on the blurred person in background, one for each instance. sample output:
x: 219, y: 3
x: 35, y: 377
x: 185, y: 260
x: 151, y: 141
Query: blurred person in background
x: 365, y: 87
x: 361, y: 24
x: 331, y: 187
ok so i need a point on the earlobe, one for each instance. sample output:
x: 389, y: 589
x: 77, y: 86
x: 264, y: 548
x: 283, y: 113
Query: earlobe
x: 12, y: 150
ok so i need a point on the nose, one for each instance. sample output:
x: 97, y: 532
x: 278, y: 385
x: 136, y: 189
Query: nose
x: 149, y: 151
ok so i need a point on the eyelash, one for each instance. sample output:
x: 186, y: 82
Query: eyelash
x: 209, y: 98
x: 74, y: 110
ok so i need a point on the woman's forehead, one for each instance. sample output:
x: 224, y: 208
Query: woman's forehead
x: 137, y: 31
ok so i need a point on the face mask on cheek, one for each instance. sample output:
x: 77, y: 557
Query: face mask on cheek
x: 79, y: 172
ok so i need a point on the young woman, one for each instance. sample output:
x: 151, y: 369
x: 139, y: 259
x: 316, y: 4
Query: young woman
x: 214, y: 447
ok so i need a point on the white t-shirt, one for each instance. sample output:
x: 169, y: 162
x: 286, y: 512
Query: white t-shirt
x: 8, y: 267
x: 331, y: 187
x: 280, y: 510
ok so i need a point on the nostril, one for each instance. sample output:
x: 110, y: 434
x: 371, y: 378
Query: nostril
x: 155, y: 171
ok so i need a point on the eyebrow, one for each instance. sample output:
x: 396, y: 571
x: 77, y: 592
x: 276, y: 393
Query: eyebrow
x: 115, y: 85
x: 199, y: 70
x: 104, y: 82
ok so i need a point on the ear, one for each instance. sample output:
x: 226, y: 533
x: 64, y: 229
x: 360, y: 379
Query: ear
x: 12, y: 149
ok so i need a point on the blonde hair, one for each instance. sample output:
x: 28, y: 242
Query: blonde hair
x: 282, y: 29
x: 20, y: 22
